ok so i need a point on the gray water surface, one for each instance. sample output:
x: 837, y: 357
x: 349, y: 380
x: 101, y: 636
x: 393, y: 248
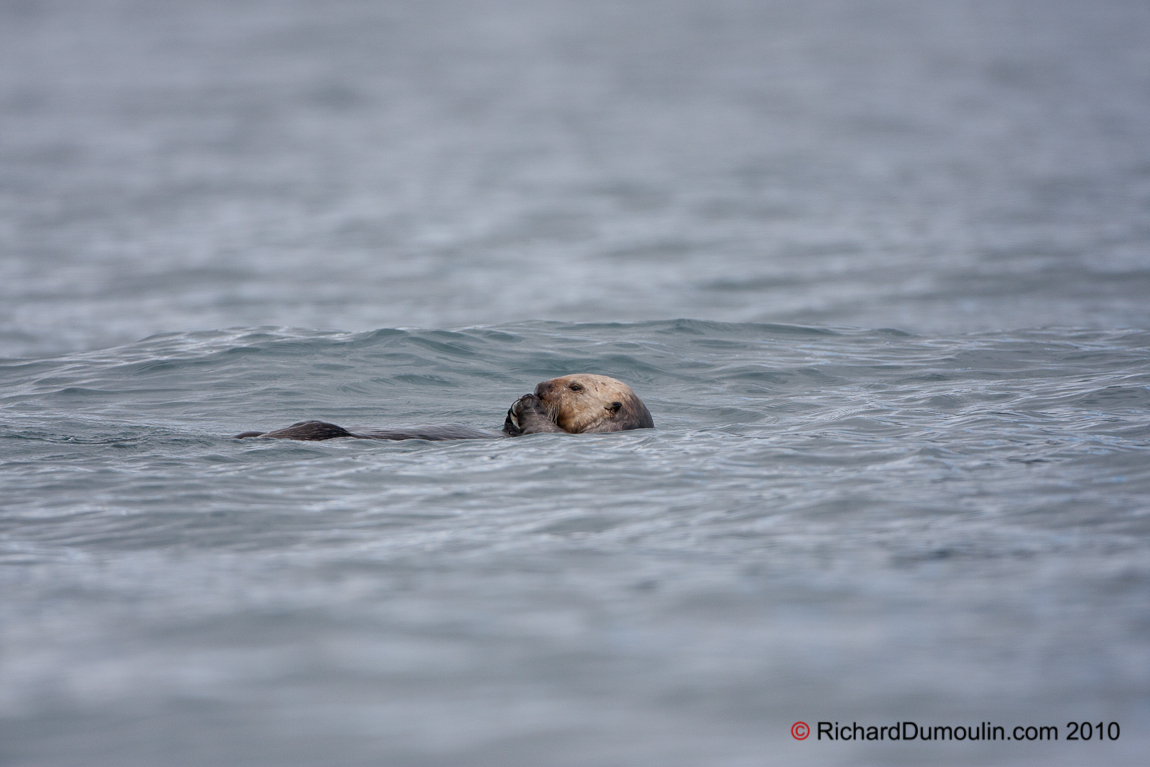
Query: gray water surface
x: 350, y: 165
x: 855, y: 525
x: 900, y: 465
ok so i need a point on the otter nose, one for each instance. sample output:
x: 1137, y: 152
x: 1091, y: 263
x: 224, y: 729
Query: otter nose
x: 542, y: 389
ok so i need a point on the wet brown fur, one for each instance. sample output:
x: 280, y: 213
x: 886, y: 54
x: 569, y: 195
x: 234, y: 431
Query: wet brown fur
x: 592, y: 404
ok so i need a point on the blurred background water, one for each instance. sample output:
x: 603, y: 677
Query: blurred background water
x: 900, y: 469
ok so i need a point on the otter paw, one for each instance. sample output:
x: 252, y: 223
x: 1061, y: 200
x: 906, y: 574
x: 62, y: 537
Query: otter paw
x: 528, y: 416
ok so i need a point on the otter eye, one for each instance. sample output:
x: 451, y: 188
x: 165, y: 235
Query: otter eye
x: 576, y: 387
x: 616, y: 407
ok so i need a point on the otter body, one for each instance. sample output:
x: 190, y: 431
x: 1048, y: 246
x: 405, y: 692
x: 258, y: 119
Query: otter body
x: 319, y: 430
x: 575, y: 404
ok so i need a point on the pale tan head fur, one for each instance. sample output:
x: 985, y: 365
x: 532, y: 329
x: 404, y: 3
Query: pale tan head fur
x: 585, y: 403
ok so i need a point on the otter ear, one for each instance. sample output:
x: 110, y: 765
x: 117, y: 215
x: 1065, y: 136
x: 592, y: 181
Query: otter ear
x: 615, y: 407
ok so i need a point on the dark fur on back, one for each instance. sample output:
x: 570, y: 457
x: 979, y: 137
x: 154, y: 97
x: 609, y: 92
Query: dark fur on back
x: 307, y: 430
x: 319, y: 430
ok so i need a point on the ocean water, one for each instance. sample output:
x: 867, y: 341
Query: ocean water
x: 880, y: 270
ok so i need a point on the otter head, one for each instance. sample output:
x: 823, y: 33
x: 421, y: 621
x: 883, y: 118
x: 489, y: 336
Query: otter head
x: 591, y: 403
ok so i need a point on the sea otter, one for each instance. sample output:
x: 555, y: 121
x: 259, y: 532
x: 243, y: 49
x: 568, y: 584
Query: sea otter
x: 575, y: 404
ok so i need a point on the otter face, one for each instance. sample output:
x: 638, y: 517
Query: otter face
x: 592, y: 403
